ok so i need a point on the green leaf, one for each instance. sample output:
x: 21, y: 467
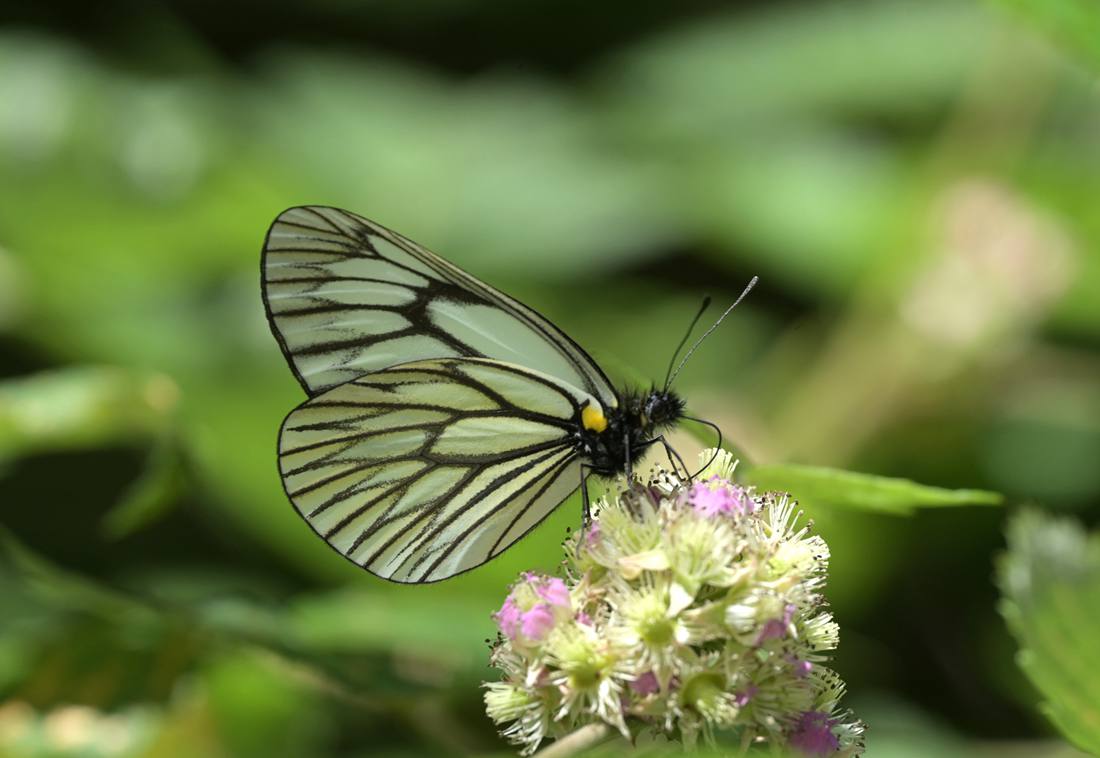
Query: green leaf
x: 1050, y: 581
x: 56, y: 587
x: 1073, y: 24
x: 850, y: 489
x: 152, y: 495
x: 341, y: 642
x: 356, y: 621
x: 83, y: 407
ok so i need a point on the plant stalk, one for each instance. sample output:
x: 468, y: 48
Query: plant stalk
x: 575, y: 742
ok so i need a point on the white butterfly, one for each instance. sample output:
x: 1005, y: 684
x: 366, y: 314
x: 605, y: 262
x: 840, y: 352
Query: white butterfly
x: 445, y: 419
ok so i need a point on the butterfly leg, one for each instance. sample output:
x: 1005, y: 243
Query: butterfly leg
x: 586, y: 506
x: 671, y: 453
x: 628, y: 468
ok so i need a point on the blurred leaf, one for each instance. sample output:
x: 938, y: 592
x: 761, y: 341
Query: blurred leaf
x: 355, y: 620
x: 849, y: 489
x: 85, y: 642
x: 345, y: 641
x: 504, y: 174
x: 82, y: 407
x: 864, y: 55
x: 1050, y: 580
x: 12, y: 291
x: 1056, y: 430
x: 151, y: 495
x: 259, y: 711
x: 901, y: 730
x: 65, y: 589
x: 1073, y: 24
x: 844, y: 191
x: 706, y: 436
x: 188, y: 729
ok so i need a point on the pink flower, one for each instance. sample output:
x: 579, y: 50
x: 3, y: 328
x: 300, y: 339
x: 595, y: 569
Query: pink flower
x: 509, y: 618
x: 537, y: 622
x: 533, y: 607
x: 813, y: 735
x: 718, y: 497
x: 550, y: 589
x: 646, y: 684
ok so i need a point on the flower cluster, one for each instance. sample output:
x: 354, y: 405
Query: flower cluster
x: 688, y: 610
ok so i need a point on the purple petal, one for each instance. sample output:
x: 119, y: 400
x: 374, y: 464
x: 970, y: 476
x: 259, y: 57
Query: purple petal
x: 646, y: 684
x: 538, y: 622
x: 776, y: 629
x: 772, y: 630
x: 508, y: 618
x: 717, y: 496
x: 553, y: 591
x: 742, y: 698
x: 813, y: 735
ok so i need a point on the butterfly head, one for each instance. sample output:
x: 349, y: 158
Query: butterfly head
x: 659, y: 409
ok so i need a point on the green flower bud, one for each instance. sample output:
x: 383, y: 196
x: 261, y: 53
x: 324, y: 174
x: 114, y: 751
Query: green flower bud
x: 507, y: 702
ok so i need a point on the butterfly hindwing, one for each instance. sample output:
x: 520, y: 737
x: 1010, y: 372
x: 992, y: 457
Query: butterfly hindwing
x: 347, y: 297
x: 424, y: 470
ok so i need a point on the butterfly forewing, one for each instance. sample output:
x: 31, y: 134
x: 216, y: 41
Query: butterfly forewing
x: 347, y: 297
x: 427, y: 469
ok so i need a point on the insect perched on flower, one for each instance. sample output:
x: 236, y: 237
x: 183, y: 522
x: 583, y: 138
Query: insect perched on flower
x: 445, y: 419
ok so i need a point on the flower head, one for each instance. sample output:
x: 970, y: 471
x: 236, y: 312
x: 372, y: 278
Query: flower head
x: 688, y: 608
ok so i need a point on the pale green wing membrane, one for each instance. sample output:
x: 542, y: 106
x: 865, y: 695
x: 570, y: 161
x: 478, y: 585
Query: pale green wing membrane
x: 346, y: 297
x: 424, y: 470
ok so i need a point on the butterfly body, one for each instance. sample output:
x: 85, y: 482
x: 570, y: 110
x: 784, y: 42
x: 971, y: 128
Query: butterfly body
x: 630, y: 428
x: 444, y: 419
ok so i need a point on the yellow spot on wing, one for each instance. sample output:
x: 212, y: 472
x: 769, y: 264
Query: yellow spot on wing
x: 592, y: 418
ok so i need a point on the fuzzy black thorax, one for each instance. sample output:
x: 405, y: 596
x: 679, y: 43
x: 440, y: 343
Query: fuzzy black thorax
x: 638, y: 421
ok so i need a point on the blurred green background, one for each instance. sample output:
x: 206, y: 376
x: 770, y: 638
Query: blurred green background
x: 916, y: 182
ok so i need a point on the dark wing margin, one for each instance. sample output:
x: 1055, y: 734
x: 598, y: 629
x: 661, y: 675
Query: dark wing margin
x: 345, y: 297
x: 428, y: 469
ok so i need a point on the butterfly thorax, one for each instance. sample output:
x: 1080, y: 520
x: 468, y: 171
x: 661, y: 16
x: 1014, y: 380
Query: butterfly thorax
x: 611, y: 444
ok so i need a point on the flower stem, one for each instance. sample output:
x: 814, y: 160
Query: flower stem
x: 574, y: 742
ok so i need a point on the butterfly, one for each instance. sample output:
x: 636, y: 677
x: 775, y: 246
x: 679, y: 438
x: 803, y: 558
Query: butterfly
x: 445, y: 419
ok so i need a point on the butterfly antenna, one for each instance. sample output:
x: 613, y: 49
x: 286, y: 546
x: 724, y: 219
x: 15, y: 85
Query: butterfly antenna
x: 684, y: 339
x: 748, y: 288
x: 717, y: 447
